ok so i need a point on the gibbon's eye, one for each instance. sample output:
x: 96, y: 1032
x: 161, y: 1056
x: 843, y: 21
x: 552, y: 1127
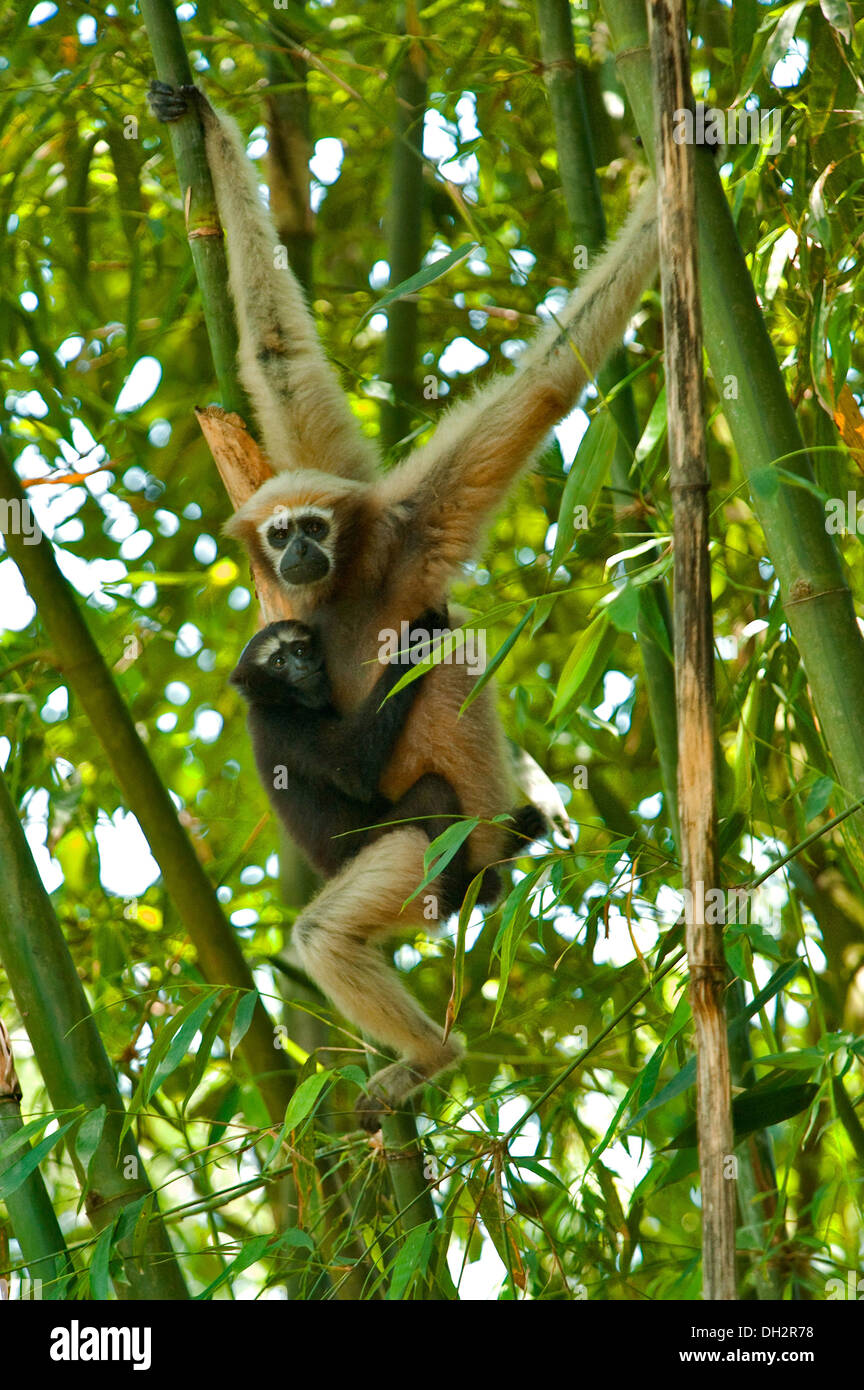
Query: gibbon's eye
x: 278, y: 537
x: 277, y: 660
x: 314, y: 527
x: 300, y: 650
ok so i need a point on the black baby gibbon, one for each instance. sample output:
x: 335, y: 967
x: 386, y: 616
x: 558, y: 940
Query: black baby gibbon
x: 322, y: 769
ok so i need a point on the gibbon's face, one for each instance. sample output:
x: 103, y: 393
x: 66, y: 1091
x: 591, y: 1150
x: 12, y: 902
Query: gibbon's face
x: 283, y: 664
x: 300, y: 543
x: 317, y: 534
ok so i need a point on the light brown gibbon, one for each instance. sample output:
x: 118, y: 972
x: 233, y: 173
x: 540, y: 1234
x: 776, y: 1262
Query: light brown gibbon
x: 358, y: 551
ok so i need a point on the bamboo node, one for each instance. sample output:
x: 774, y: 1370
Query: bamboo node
x: 802, y: 591
x: 204, y: 231
x: 557, y: 65
x: 636, y: 52
x: 10, y: 1086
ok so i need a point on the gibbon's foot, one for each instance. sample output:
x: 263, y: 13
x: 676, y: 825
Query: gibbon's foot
x: 171, y: 103
x: 393, y: 1084
x: 386, y: 1089
x: 530, y: 823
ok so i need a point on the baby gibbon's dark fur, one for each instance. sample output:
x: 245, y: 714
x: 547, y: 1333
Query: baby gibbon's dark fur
x: 322, y: 769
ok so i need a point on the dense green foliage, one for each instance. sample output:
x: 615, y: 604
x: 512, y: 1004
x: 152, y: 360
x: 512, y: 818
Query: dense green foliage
x: 96, y: 276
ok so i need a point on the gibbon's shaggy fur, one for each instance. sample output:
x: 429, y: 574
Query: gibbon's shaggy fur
x: 393, y: 544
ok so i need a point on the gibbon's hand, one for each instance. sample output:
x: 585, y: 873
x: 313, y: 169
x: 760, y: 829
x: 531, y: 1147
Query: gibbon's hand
x: 421, y: 631
x: 173, y: 103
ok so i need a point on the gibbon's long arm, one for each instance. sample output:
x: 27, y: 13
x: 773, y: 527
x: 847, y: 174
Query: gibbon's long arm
x: 351, y: 751
x: 456, y: 481
x: 304, y: 418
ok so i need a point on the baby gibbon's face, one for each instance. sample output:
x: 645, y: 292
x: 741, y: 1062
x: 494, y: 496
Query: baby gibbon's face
x: 283, y: 663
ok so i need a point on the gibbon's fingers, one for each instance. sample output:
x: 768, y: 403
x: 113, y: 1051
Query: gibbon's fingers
x: 456, y: 481
x: 336, y: 939
x: 303, y: 415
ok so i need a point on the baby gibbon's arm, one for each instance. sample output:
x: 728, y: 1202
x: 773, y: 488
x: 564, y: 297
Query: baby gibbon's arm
x: 354, y: 749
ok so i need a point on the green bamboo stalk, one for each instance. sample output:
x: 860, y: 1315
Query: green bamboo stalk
x: 33, y: 1219
x: 765, y: 432
x: 569, y: 106
x: 579, y: 184
x: 186, y: 882
x: 203, y: 228
x: 405, y: 230
x: 74, y: 1063
x: 413, y: 1197
x: 757, y: 1171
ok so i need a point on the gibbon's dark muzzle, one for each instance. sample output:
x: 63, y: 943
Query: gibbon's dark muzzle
x: 303, y: 562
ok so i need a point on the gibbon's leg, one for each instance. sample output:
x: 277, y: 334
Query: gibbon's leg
x: 432, y: 804
x: 304, y: 417
x: 455, y: 482
x: 336, y: 939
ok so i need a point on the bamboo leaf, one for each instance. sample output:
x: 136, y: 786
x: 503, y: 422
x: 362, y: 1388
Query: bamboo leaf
x: 805, y: 1059
x: 584, y: 481
x: 540, y: 1170
x: 18, y: 1172
x: 140, y: 1226
x: 584, y: 663
x: 757, y: 1109
x: 492, y: 666
x: 89, y: 1136
x: 443, y: 850
x: 515, y: 919
x: 304, y: 1099
x: 839, y: 15
x: 181, y: 1031
x: 251, y: 1253
x: 655, y: 430
x: 205, y: 1047
x: 412, y: 1261
x: 455, y: 1001
x: 242, y: 1019
x: 427, y: 276
x: 21, y: 1137
x: 100, y: 1264
x: 848, y: 1117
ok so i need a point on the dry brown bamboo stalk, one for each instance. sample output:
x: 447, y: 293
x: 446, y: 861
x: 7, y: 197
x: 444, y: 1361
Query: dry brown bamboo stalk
x: 243, y: 468
x: 694, y: 659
